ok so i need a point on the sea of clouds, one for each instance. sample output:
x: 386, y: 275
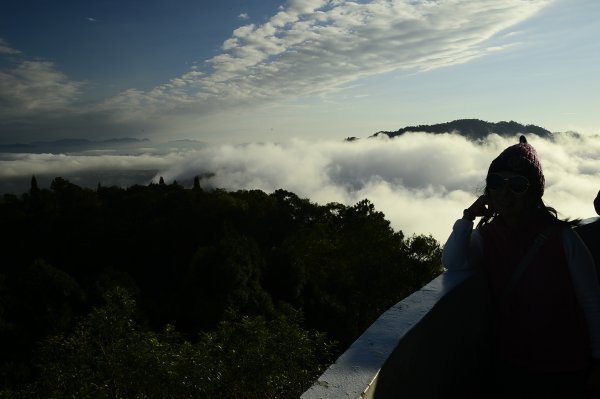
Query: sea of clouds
x: 420, y: 181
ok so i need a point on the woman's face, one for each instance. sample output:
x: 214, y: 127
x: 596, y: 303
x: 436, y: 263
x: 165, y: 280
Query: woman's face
x: 510, y: 194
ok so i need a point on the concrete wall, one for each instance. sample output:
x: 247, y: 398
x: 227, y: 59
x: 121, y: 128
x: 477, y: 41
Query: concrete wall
x: 433, y: 344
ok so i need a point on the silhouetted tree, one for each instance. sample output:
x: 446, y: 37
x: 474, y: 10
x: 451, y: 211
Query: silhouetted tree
x: 34, y: 186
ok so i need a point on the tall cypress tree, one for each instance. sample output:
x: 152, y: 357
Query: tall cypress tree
x: 34, y: 189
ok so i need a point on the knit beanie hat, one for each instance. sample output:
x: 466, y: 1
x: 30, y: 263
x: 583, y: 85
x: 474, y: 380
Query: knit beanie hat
x: 521, y: 159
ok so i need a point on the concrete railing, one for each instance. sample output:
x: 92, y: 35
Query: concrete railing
x: 433, y: 344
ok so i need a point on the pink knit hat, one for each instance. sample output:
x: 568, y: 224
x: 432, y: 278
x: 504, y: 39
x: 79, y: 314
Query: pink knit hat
x: 521, y: 159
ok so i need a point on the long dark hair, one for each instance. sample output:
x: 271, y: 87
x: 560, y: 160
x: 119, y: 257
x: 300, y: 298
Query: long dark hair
x: 540, y: 206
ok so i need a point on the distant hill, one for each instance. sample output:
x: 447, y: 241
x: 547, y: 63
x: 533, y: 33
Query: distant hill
x: 71, y: 145
x: 123, y: 145
x: 473, y: 129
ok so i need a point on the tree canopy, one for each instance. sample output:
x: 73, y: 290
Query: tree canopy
x: 157, y: 289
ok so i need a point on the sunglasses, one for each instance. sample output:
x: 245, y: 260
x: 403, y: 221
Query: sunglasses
x: 516, y: 184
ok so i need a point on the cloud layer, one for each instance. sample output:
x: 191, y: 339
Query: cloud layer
x: 422, y: 182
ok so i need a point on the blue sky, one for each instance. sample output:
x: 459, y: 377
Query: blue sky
x: 274, y: 86
x: 243, y: 71
x: 119, y: 45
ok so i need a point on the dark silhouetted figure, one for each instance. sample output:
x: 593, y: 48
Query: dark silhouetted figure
x: 590, y: 233
x: 546, y: 340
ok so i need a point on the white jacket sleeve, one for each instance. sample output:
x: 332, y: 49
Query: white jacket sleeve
x: 464, y: 248
x: 585, y: 281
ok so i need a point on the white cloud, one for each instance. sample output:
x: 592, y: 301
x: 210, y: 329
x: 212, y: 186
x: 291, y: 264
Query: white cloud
x: 316, y: 47
x: 23, y: 165
x: 34, y: 87
x: 6, y: 49
x: 420, y: 181
x: 243, y: 16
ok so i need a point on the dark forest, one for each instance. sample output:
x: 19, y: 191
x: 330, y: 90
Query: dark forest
x: 163, y: 291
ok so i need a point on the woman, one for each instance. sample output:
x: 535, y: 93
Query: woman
x: 546, y: 299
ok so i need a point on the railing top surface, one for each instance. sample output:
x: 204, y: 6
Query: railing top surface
x: 354, y: 371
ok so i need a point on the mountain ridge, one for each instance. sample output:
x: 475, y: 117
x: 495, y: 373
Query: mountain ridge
x: 70, y: 144
x: 473, y: 129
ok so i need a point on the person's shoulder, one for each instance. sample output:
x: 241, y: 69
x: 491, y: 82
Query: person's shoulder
x: 593, y: 225
x: 589, y: 228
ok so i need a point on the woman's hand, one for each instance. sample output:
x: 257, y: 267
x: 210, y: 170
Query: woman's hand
x: 479, y: 208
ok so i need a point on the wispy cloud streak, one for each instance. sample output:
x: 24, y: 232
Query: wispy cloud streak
x: 6, y: 49
x: 318, y: 46
x: 26, y: 165
x: 34, y: 88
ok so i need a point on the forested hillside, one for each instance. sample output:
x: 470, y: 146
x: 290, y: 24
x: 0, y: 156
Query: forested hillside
x: 474, y: 129
x: 162, y: 291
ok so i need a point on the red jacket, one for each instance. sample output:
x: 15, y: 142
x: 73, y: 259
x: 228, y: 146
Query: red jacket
x: 540, y: 325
